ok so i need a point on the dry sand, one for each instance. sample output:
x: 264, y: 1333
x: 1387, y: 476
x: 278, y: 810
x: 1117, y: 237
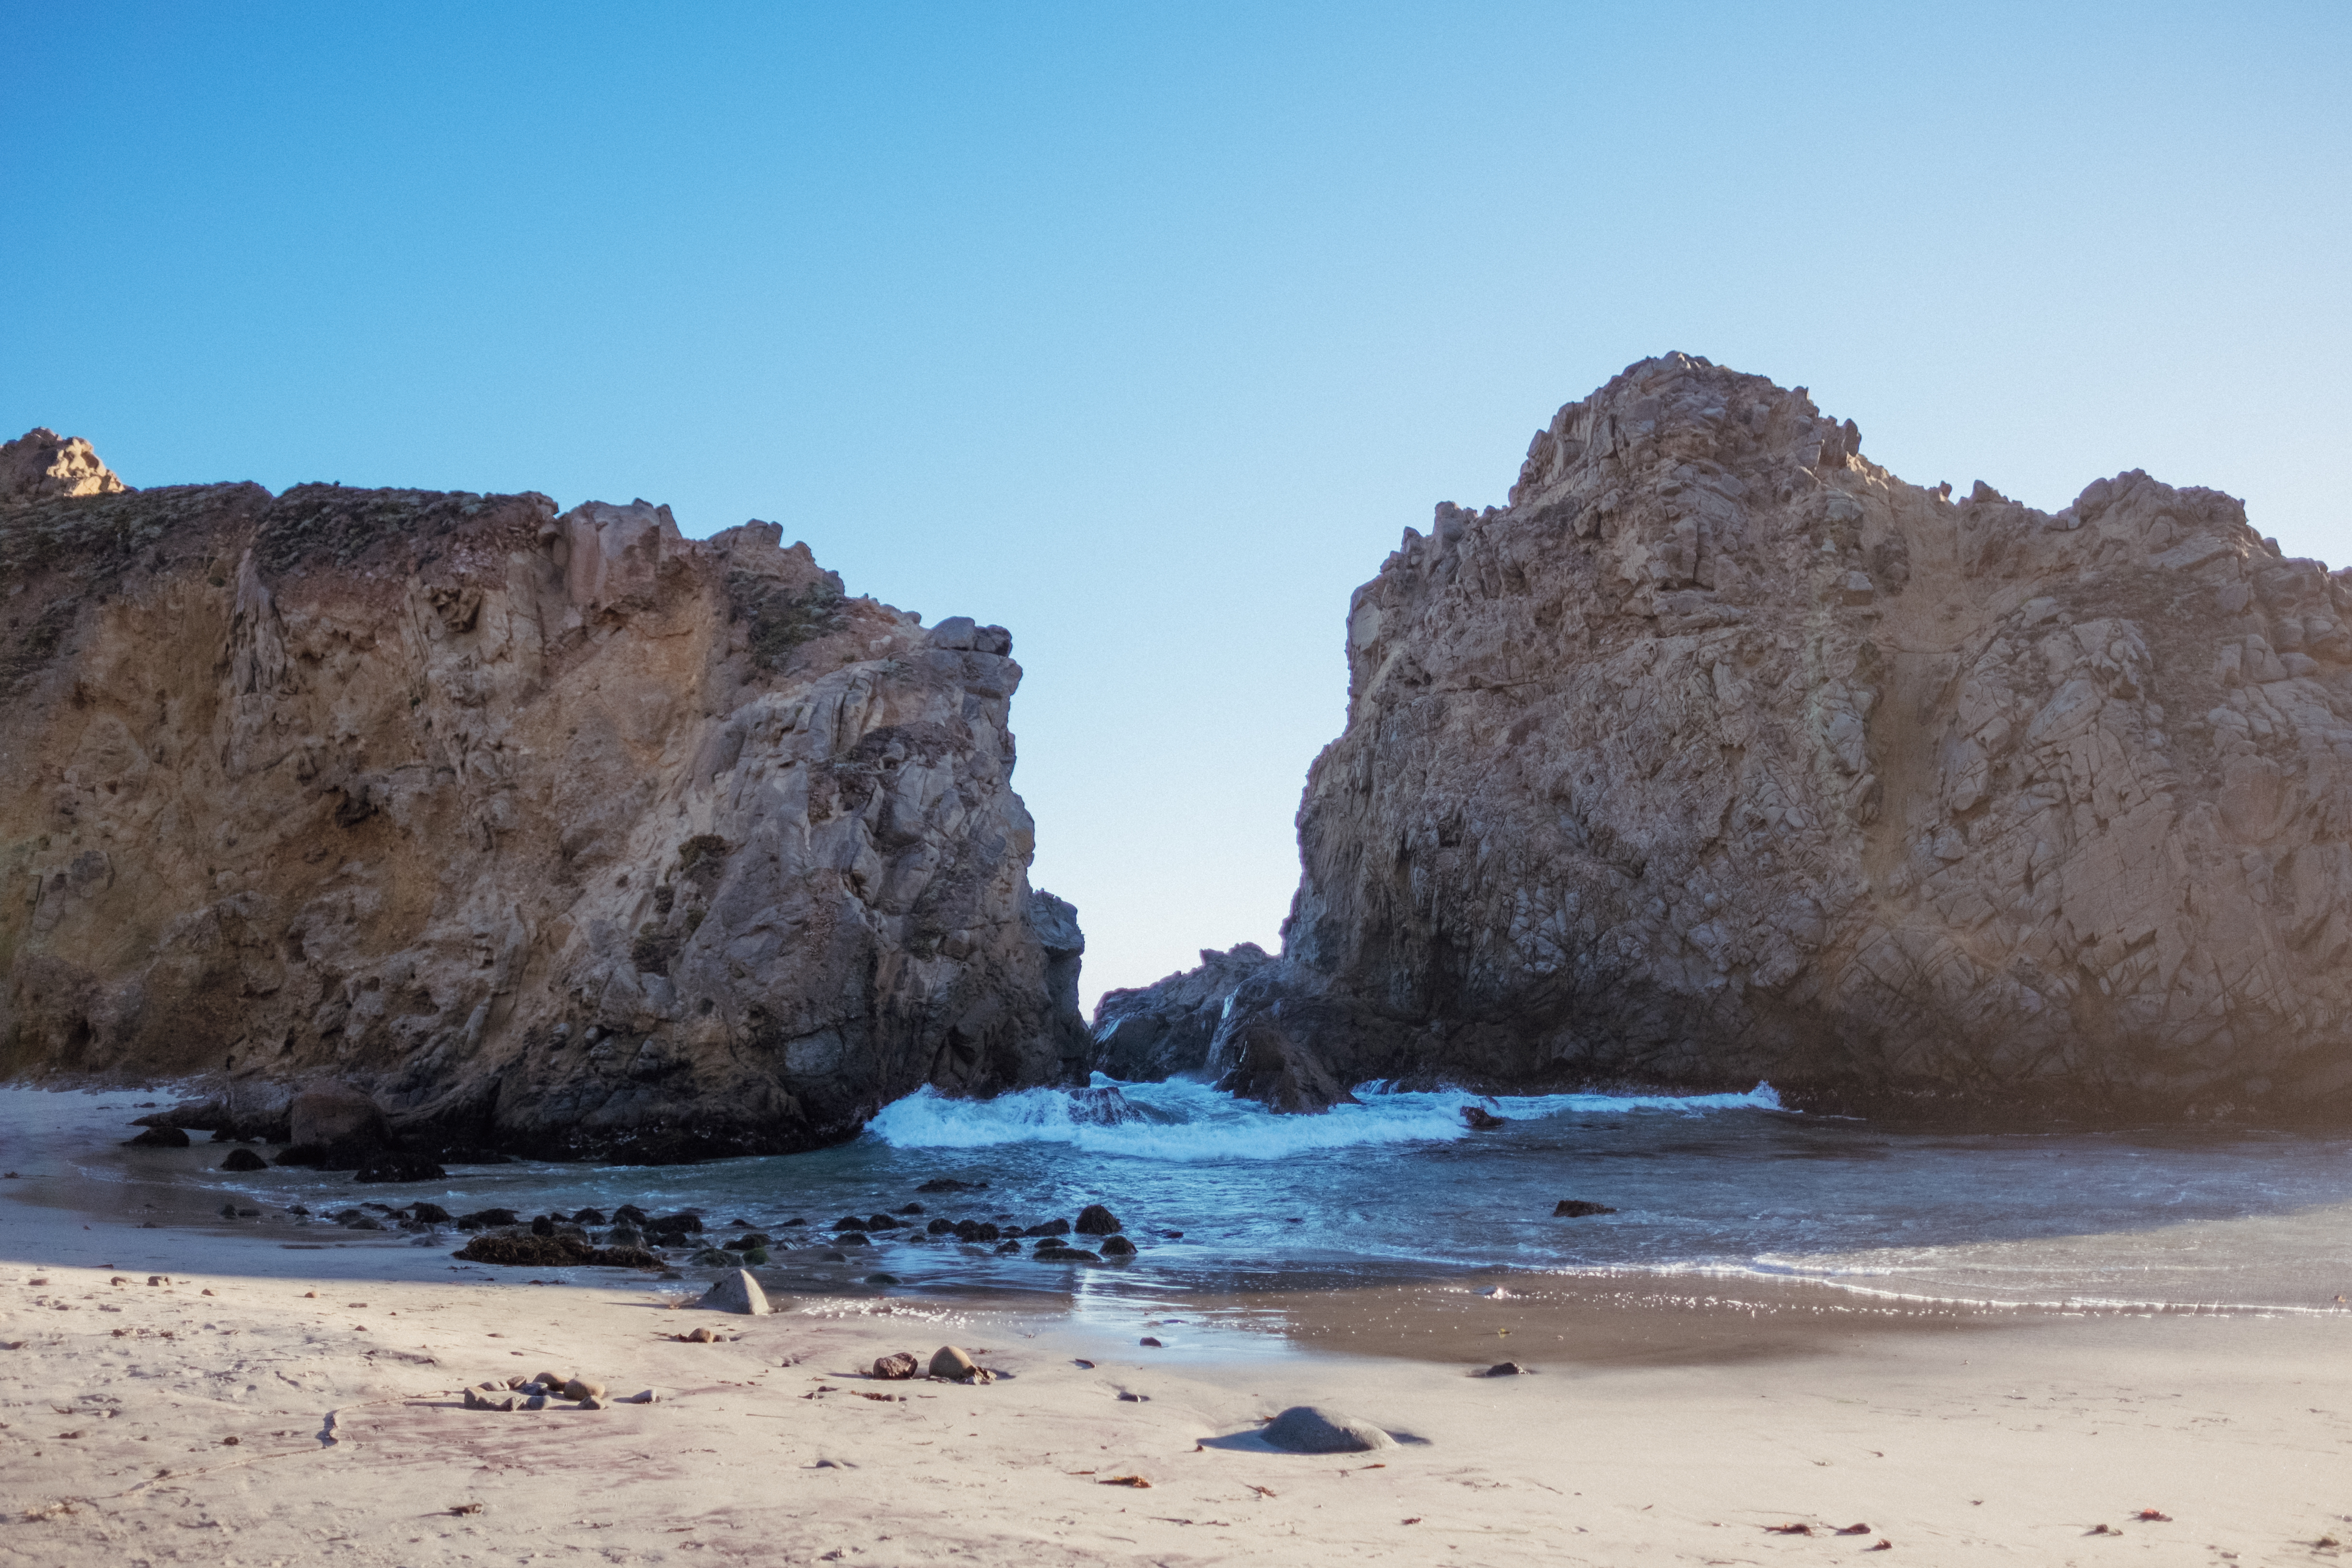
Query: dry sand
x: 1655, y: 1429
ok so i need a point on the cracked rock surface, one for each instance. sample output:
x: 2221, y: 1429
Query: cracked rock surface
x: 563, y: 834
x: 1722, y: 754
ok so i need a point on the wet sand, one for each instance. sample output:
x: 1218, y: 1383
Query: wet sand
x: 1676, y: 1422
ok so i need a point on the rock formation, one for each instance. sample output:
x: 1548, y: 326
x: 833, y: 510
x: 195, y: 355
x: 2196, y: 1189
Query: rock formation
x: 1721, y: 753
x: 563, y: 834
x: 41, y: 465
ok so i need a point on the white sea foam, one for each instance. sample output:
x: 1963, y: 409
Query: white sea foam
x: 1184, y: 1120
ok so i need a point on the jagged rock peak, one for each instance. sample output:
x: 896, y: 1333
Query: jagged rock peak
x: 41, y: 465
x: 1722, y: 752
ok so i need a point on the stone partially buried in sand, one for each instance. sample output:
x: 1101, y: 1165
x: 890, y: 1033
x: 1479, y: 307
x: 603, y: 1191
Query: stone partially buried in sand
x: 737, y: 1292
x: 952, y: 1362
x: 1311, y: 1429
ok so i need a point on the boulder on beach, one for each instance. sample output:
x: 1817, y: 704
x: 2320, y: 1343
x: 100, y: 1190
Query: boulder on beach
x: 244, y: 1160
x: 1095, y: 1220
x: 158, y: 1137
x: 1577, y: 1208
x: 896, y: 1367
x: 952, y: 1362
x: 737, y: 1292
x: 1118, y: 1246
x: 1311, y: 1429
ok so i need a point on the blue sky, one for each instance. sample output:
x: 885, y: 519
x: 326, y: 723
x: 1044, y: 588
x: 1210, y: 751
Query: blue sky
x: 1144, y: 331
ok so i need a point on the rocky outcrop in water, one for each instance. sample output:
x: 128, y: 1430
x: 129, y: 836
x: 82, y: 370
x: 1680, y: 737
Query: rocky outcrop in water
x: 560, y: 833
x: 1721, y: 753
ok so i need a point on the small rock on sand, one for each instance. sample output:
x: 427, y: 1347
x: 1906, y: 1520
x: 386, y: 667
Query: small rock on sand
x: 948, y: 1362
x: 898, y: 1367
x: 1502, y: 1369
x: 593, y: 1402
x: 580, y: 1388
x: 1310, y: 1429
x: 737, y: 1292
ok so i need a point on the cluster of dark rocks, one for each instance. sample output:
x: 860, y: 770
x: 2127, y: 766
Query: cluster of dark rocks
x: 335, y: 1128
x: 635, y: 1238
x: 1094, y: 1219
x: 558, y: 1240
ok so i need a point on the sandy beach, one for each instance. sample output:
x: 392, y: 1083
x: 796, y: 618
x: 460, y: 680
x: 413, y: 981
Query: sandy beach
x: 170, y: 1394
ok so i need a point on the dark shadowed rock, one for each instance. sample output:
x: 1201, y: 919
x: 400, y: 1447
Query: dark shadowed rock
x: 337, y: 1114
x: 1146, y: 1034
x: 526, y: 1251
x: 244, y: 1160
x: 1478, y: 1119
x: 1095, y: 1220
x: 1577, y: 1208
x: 158, y: 1137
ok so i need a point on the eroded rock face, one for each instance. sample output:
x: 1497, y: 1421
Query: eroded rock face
x: 564, y: 834
x: 1722, y: 754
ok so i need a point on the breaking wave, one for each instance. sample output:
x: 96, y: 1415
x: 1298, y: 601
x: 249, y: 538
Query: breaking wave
x: 1183, y: 1120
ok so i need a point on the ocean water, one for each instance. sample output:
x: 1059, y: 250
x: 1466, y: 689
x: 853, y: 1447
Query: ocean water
x: 1220, y: 1194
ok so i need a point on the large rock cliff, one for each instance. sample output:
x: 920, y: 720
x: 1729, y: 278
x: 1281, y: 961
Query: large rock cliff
x: 1723, y: 753
x: 560, y: 833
